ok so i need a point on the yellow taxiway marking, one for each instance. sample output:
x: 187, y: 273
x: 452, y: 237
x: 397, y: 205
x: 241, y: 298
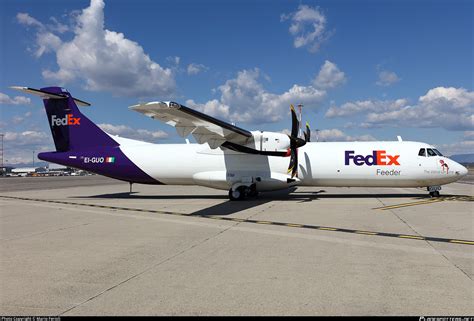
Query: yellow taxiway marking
x: 389, y: 207
x: 411, y: 237
x: 365, y: 232
x: 327, y: 228
x: 293, y: 225
x: 461, y: 242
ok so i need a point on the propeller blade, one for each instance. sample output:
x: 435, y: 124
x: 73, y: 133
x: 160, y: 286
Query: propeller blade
x: 294, y: 122
x: 293, y: 167
x: 295, y: 142
x: 294, y: 172
x: 307, y: 133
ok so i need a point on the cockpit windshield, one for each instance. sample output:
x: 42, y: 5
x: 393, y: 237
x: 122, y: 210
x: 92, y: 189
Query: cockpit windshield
x: 430, y: 152
x: 437, y: 152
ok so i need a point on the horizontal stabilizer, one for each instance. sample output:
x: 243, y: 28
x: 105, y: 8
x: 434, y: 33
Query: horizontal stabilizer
x: 46, y: 95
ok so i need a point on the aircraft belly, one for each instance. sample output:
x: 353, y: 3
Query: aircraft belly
x: 185, y: 164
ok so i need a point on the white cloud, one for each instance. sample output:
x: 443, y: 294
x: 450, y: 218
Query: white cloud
x: 128, y: 132
x: 336, y: 135
x: 212, y: 107
x: 194, y: 69
x: 459, y: 98
x: 469, y: 134
x: 19, y: 119
x: 27, y: 20
x: 58, y: 26
x: 47, y: 42
x: 24, y: 138
x: 445, y: 107
x: 19, y: 146
x: 329, y: 76
x: 387, y: 78
x: 308, y: 27
x: 243, y: 99
x: 105, y: 60
x: 174, y: 60
x: 462, y: 147
x: 17, y: 100
x: 358, y: 107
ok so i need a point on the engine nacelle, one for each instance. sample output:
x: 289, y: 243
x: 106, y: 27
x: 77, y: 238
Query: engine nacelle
x: 269, y: 141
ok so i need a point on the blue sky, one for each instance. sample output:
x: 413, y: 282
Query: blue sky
x: 365, y: 70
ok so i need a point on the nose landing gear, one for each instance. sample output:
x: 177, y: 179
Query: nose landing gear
x: 434, y: 190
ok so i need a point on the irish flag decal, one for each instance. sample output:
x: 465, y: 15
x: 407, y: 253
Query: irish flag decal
x: 110, y: 159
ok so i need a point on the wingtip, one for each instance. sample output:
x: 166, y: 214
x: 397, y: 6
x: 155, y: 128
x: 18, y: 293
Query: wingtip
x: 17, y: 87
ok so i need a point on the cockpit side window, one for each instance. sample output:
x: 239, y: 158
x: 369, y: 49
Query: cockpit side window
x: 437, y: 152
x: 430, y: 152
x: 422, y: 152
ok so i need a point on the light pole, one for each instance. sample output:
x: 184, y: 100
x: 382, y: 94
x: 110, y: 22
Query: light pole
x: 33, y: 158
x: 300, y: 109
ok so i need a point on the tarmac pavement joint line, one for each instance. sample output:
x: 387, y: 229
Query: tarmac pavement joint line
x: 303, y: 226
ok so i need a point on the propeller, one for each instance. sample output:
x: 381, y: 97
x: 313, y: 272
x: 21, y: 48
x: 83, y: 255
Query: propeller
x: 307, y: 133
x: 295, y: 142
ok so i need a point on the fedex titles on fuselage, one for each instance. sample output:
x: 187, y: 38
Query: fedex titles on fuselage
x: 378, y: 158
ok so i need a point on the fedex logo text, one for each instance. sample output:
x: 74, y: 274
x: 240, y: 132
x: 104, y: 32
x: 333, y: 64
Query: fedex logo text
x: 378, y: 157
x: 68, y: 120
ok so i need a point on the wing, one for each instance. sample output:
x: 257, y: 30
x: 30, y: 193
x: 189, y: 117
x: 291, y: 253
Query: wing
x: 204, y: 128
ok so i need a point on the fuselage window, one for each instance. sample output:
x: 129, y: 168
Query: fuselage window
x: 422, y: 152
x: 437, y: 152
x: 431, y: 152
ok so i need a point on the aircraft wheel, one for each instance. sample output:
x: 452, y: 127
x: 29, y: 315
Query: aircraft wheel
x: 237, y: 195
x: 434, y: 194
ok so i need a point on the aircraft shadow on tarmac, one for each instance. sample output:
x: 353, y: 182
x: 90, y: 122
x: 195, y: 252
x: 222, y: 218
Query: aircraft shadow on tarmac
x: 231, y: 207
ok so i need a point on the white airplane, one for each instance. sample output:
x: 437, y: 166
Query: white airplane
x: 231, y: 158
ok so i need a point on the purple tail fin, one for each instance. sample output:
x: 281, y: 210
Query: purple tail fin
x: 72, y: 130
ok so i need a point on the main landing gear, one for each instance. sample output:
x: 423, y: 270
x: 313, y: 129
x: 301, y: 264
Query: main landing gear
x: 242, y: 192
x: 434, y: 190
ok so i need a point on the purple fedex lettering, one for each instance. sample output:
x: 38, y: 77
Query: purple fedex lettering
x: 371, y: 159
x: 349, y: 156
x: 359, y: 160
x: 378, y: 157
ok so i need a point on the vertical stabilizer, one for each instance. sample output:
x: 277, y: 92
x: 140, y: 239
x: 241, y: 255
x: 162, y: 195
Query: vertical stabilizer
x: 71, y: 130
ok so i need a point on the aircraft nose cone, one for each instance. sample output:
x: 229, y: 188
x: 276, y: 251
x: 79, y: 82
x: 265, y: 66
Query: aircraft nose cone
x: 462, y: 170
